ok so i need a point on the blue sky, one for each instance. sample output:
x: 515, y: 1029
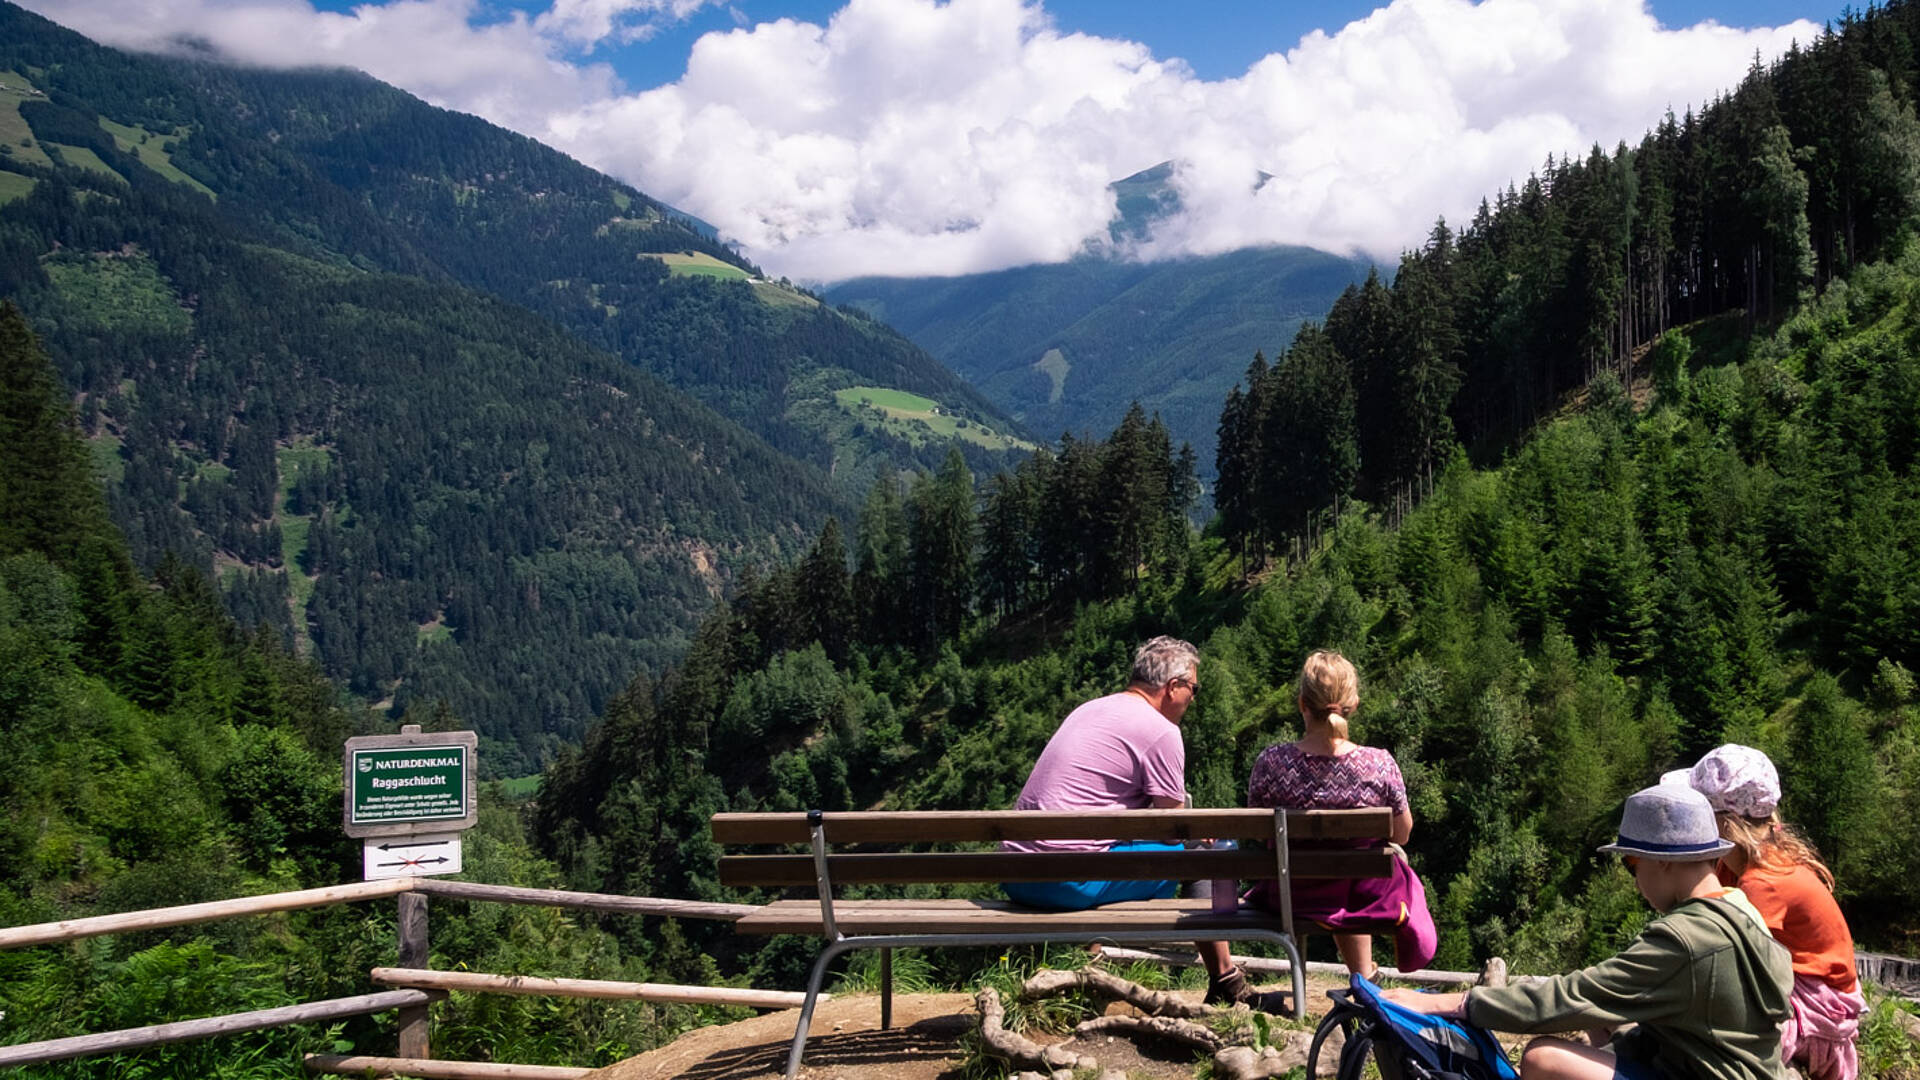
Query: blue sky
x: 830, y: 140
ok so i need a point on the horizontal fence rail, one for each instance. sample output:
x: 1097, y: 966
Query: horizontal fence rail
x: 1260, y: 965
x: 112, y: 1042
x: 16, y: 937
x: 477, y: 982
x: 431, y: 1069
x: 422, y: 986
x: 562, y: 898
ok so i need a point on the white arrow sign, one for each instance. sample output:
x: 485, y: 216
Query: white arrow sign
x: 410, y: 856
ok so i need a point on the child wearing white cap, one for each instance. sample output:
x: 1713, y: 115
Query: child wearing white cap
x: 1705, y: 984
x: 1793, y: 891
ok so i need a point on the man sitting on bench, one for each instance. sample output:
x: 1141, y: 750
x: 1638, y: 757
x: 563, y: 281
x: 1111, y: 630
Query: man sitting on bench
x: 1124, y: 752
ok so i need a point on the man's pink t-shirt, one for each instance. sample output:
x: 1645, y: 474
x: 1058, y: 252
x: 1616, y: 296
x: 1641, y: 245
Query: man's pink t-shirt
x: 1113, y: 753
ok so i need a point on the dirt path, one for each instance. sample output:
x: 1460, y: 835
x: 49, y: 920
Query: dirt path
x: 846, y: 1043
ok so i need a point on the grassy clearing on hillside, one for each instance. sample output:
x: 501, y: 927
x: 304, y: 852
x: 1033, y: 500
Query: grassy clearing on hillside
x: 14, y: 132
x: 107, y: 462
x: 80, y: 157
x: 150, y: 148
x: 700, y: 264
x: 645, y: 219
x: 14, y: 186
x: 119, y: 292
x: 896, y: 401
x: 917, y: 419
x: 1054, y: 365
x: 294, y: 462
x: 775, y: 294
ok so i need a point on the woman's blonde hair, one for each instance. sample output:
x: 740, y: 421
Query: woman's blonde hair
x: 1328, y: 679
x: 1769, y: 841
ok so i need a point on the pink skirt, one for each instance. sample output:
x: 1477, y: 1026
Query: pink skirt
x: 1821, y: 1034
x: 1394, y: 905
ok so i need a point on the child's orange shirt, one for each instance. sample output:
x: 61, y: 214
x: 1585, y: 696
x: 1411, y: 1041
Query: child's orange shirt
x: 1801, y: 913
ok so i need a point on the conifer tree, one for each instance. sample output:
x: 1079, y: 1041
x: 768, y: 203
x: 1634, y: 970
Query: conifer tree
x: 49, y: 501
x: 1069, y: 523
x: 1426, y: 371
x: 1235, y: 455
x: 1312, y: 445
x: 1782, y: 254
x: 1133, y: 470
x: 1361, y: 327
x: 1009, y: 526
x: 940, y: 535
x: 1183, y: 491
x: 880, y: 563
x: 824, y: 593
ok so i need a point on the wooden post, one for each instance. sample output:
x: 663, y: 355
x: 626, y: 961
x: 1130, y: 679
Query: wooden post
x: 413, y: 954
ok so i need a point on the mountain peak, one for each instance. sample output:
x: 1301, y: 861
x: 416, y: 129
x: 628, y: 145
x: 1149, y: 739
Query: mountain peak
x: 1149, y: 197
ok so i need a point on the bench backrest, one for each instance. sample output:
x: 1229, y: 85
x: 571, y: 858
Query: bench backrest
x: 1287, y: 828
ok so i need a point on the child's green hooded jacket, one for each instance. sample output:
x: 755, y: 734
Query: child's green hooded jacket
x: 1706, y: 982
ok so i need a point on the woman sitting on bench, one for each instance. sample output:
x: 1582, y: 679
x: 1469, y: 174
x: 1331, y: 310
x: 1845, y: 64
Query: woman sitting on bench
x: 1326, y: 770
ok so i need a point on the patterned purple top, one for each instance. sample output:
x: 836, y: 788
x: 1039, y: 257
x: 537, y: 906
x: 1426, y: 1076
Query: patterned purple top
x: 1288, y: 776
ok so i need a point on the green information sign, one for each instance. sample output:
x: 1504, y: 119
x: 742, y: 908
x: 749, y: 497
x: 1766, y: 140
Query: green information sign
x: 391, y: 785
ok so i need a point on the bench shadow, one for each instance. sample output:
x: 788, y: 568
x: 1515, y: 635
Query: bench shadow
x: 931, y: 1040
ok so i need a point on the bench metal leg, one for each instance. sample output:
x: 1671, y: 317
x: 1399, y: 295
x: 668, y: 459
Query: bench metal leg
x: 814, y: 981
x: 1297, y: 969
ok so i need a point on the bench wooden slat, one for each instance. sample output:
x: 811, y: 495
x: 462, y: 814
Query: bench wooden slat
x: 954, y: 826
x: 905, y: 868
x: 1182, y: 919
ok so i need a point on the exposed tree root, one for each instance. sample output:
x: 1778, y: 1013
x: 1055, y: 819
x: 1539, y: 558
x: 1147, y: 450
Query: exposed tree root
x: 1167, y: 1016
x: 1048, y: 983
x: 1019, y: 1050
x: 1160, y: 1027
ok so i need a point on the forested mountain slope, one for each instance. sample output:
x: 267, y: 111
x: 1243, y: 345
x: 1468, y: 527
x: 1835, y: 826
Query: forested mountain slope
x: 1068, y: 346
x: 1731, y: 561
x: 1690, y: 376
x: 402, y: 378
x: 156, y: 754
x: 447, y: 193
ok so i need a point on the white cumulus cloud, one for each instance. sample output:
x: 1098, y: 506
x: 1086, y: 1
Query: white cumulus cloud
x: 909, y: 137
x: 919, y: 137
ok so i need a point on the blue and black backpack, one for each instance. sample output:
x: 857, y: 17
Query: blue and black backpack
x: 1406, y: 1045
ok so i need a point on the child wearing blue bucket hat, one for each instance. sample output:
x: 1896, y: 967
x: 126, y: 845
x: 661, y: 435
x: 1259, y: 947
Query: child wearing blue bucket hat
x: 1705, y: 985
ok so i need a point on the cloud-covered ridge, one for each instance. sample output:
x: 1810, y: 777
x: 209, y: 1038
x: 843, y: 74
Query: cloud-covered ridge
x: 915, y: 137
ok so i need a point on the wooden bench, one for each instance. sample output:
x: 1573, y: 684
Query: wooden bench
x: 890, y: 924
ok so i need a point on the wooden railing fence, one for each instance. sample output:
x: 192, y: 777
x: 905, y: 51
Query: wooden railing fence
x: 417, y: 987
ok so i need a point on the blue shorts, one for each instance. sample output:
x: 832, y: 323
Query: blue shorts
x: 1081, y: 895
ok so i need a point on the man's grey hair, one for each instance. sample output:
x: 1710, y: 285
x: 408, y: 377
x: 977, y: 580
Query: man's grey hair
x: 1162, y: 660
